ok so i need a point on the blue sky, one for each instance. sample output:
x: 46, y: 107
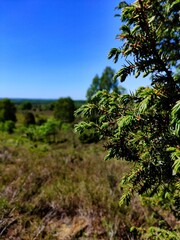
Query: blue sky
x: 54, y: 48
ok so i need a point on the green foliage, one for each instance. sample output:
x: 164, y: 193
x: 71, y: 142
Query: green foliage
x: 105, y: 82
x: 89, y: 136
x: 144, y: 127
x: 175, y: 116
x: 40, y: 121
x: 29, y: 118
x: 141, y: 37
x: 7, y: 126
x: 46, y: 132
x: 27, y: 105
x: 7, y: 110
x: 155, y: 233
x: 64, y: 110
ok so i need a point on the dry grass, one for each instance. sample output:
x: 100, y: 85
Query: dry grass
x: 62, y: 191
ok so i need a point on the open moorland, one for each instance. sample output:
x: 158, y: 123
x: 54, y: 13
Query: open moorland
x: 61, y: 188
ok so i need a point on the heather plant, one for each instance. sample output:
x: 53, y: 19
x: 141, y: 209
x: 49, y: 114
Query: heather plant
x: 45, y: 193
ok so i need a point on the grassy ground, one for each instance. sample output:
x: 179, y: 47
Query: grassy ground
x: 63, y: 191
x: 48, y: 190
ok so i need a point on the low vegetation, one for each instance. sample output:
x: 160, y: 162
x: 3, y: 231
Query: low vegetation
x: 58, y: 190
x: 61, y: 188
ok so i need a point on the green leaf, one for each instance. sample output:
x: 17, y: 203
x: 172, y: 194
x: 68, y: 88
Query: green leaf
x: 125, y: 121
x: 123, y: 73
x: 176, y: 165
x: 82, y: 126
x: 125, y: 199
x: 151, y: 19
x: 175, y: 3
x: 145, y: 74
x: 105, y: 125
x: 137, y: 74
x: 86, y: 110
x: 175, y: 116
x: 112, y: 52
x: 144, y: 104
x: 122, y: 4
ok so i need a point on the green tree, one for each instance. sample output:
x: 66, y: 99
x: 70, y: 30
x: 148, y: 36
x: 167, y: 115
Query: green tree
x: 64, y: 110
x: 144, y: 127
x: 7, y: 110
x: 29, y: 118
x: 105, y: 82
x: 26, y: 105
x: 50, y: 129
x: 46, y: 132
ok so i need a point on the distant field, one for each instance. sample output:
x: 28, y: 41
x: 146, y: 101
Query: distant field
x: 18, y: 101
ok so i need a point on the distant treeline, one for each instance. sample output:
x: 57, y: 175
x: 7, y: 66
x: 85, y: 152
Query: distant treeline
x: 19, y: 101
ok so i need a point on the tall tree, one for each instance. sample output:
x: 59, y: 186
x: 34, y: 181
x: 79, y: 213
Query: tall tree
x: 105, y: 82
x: 144, y: 127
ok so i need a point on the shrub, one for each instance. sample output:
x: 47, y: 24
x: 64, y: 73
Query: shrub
x: 64, y: 110
x: 40, y: 121
x: 26, y: 105
x: 7, y: 110
x: 29, y: 118
x: 7, y: 126
x: 46, y: 132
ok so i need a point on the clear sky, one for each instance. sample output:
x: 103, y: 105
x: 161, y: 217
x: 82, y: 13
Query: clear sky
x: 54, y: 48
